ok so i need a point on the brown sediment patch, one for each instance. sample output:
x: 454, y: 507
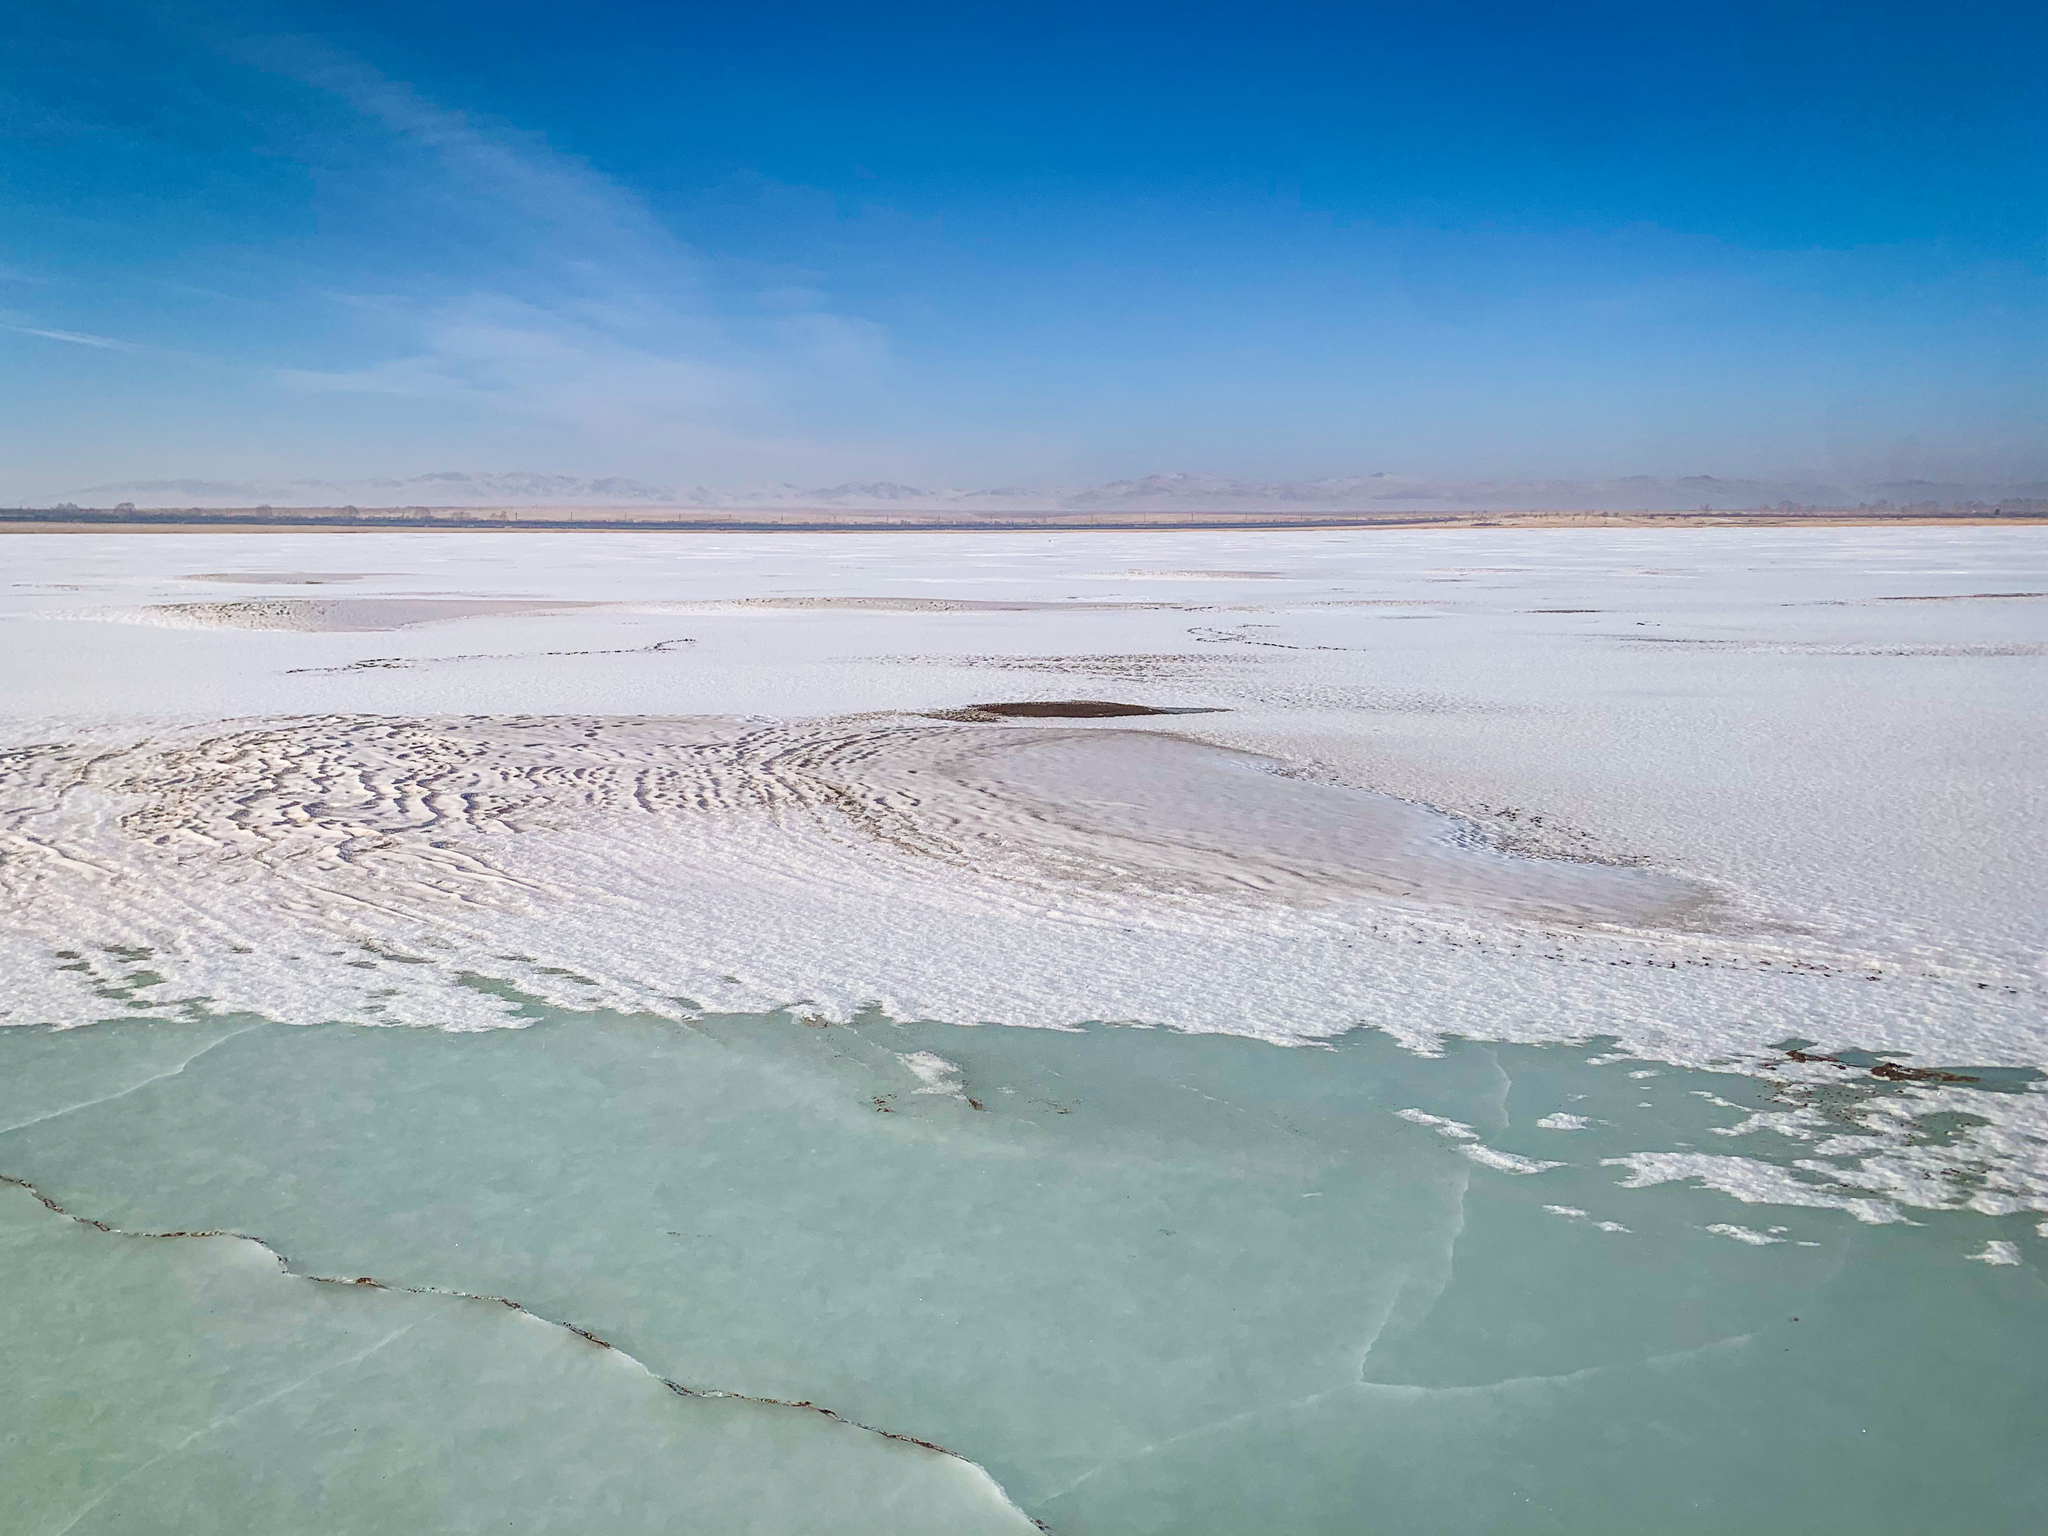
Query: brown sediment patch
x: 1065, y: 709
x: 1889, y: 1071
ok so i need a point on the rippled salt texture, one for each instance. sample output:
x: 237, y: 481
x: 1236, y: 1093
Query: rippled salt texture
x: 1150, y: 1281
x: 1746, y: 720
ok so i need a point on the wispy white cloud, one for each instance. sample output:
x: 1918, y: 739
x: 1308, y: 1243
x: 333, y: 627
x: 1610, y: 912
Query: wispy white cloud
x: 518, y: 171
x: 76, y: 338
x: 581, y: 308
x: 532, y: 358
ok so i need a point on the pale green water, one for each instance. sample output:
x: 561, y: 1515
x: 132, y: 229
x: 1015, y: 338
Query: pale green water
x: 1157, y: 1283
x: 157, y: 1386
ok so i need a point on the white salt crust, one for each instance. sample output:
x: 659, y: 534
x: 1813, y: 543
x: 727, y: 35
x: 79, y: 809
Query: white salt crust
x: 1701, y: 791
x: 1998, y: 1251
x: 1505, y: 1162
x: 1743, y: 1234
x: 1573, y: 1213
x: 937, y: 1074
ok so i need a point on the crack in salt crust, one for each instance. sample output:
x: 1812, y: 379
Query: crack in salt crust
x: 284, y: 1266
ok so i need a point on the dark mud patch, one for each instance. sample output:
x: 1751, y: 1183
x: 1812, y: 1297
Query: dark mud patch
x: 1063, y: 709
x: 1878, y: 1064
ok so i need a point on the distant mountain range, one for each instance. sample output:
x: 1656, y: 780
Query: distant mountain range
x: 1163, y: 493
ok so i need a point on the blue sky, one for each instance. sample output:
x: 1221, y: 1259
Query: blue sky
x: 982, y: 244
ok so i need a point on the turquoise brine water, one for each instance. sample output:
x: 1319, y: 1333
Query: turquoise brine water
x: 189, y: 1385
x: 1148, y: 1281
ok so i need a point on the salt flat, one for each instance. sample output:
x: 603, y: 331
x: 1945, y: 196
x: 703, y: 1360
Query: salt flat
x: 1503, y: 999
x: 1705, y: 791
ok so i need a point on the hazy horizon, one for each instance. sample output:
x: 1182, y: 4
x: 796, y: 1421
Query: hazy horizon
x: 1165, y: 491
